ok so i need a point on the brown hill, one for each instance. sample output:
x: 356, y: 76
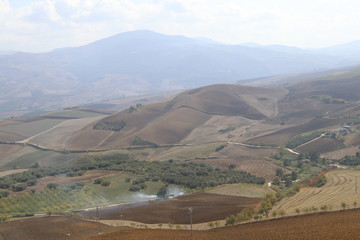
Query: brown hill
x: 171, y: 121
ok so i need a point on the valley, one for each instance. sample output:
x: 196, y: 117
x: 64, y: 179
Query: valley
x: 236, y: 153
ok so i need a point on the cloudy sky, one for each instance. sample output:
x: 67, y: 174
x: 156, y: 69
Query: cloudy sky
x: 42, y: 25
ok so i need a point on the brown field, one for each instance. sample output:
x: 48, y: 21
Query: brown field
x: 341, y: 187
x: 321, y: 145
x: 51, y: 228
x: 342, y: 225
x: 6, y: 136
x: 30, y: 127
x: 206, y: 207
x: 282, y: 136
x: 245, y: 159
x: 337, y: 154
x: 58, y: 136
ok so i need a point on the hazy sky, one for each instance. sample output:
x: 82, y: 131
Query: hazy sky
x: 42, y: 25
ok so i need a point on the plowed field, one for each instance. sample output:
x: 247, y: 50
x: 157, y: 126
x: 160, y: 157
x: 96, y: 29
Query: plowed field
x: 206, y: 207
x: 342, y: 225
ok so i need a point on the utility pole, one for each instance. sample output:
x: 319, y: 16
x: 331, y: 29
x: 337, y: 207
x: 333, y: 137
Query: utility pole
x: 190, y: 213
x: 356, y: 186
x: 98, y: 219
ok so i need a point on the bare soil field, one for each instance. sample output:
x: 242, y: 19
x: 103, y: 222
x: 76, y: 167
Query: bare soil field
x: 341, y: 187
x: 282, y: 136
x: 337, y: 154
x: 321, y: 145
x: 57, y: 137
x: 51, y: 228
x: 30, y: 128
x: 342, y: 225
x: 206, y: 207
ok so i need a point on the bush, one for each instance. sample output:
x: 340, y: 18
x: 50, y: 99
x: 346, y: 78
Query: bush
x: 219, y: 148
x: 134, y: 188
x: 231, y: 220
x: 4, y: 193
x: 19, y: 187
x: 98, y: 181
x: 105, y: 183
x: 52, y: 186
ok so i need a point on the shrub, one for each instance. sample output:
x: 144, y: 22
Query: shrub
x: 52, y: 186
x: 105, y: 183
x: 19, y: 187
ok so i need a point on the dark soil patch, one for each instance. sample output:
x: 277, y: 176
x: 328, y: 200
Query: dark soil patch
x: 206, y: 207
x: 51, y: 228
x: 322, y: 145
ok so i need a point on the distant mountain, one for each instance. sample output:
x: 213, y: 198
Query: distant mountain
x: 7, y: 52
x: 139, y: 62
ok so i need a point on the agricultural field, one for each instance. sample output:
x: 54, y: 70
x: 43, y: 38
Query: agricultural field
x: 242, y: 190
x: 188, y: 152
x: 27, y: 156
x: 31, y: 127
x: 206, y: 207
x: 341, y: 191
x: 81, y: 113
x: 52, y: 228
x: 57, y: 137
x: 334, y: 225
x: 76, y: 193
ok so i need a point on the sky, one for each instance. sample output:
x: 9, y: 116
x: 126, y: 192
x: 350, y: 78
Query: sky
x: 44, y: 25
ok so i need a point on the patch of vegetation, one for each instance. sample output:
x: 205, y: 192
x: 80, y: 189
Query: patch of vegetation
x: 221, y: 147
x: 351, y: 160
x: 331, y: 100
x: 140, y: 142
x: 110, y: 125
x: 260, y: 144
x: 303, y: 138
x: 318, y: 181
x: 226, y: 130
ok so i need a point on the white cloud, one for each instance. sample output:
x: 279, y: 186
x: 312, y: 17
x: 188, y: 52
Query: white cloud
x: 48, y: 24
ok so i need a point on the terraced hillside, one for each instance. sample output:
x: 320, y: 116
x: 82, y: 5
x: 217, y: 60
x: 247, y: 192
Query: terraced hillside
x: 341, y: 188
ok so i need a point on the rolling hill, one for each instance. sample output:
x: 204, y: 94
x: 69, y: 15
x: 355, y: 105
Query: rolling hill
x: 172, y: 121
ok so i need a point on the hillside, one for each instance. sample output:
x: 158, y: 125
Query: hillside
x: 172, y: 121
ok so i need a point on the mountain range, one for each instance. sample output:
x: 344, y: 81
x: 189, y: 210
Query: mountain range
x: 143, y: 62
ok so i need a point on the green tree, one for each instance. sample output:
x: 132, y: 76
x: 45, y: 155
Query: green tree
x: 343, y: 205
x: 231, y: 220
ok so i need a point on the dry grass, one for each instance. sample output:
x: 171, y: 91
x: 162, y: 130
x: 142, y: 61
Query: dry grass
x: 242, y: 190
